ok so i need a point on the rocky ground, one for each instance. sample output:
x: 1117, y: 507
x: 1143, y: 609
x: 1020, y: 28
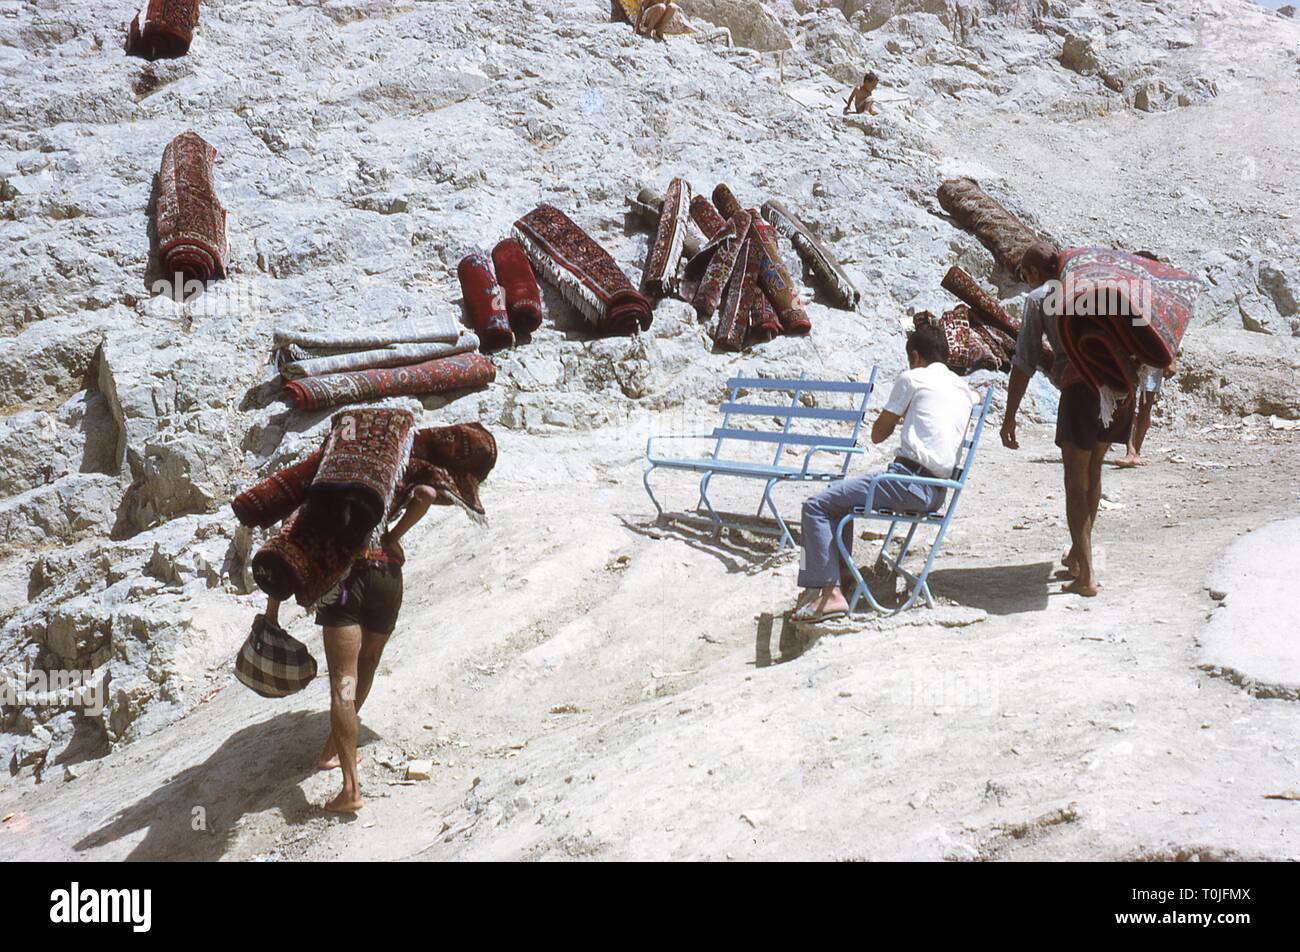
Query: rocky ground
x: 589, y: 682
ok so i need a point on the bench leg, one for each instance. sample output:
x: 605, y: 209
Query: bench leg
x: 645, y: 480
x: 704, y: 498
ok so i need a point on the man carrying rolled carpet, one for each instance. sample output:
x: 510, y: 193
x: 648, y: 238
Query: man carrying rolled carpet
x: 933, y: 404
x: 1081, y: 434
x: 356, y: 619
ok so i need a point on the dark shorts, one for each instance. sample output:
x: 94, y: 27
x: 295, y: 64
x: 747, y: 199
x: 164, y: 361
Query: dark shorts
x: 1078, y: 419
x: 370, y: 597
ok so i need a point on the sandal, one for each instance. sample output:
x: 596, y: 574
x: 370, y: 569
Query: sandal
x: 807, y: 616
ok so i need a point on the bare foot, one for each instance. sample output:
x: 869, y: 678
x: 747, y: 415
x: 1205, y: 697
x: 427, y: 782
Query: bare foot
x: 1130, y: 460
x: 1071, y: 566
x: 1080, y: 587
x: 328, y: 759
x: 331, y: 762
x: 344, y: 803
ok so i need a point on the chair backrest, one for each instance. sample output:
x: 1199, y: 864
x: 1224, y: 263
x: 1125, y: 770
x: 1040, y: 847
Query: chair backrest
x: 790, y: 434
x: 974, y: 428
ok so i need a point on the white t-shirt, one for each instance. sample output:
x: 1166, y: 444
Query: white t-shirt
x: 935, y: 405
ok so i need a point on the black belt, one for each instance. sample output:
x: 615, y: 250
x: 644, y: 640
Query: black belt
x: 915, y: 468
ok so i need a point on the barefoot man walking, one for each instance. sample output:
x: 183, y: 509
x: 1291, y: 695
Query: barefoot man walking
x: 1080, y: 433
x: 357, y: 618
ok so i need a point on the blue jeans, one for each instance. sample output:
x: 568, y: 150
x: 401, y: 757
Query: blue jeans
x: 819, y: 564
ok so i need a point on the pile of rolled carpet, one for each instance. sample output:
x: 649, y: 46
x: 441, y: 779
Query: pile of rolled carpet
x: 411, y: 358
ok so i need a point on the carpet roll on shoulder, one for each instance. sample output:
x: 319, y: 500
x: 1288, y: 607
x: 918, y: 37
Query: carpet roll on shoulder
x: 458, y: 372
x: 452, y: 460
x: 582, y: 271
x: 303, y: 561
x: 1001, y: 232
x: 815, y: 255
x: 516, y: 277
x: 1120, y: 310
x: 189, y: 220
x: 274, y: 498
x: 163, y: 29
x: 485, y: 302
x: 316, y: 548
x: 660, y: 279
x: 362, y: 463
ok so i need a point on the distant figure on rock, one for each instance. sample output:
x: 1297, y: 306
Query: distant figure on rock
x: 1080, y: 432
x: 933, y: 405
x: 860, y: 100
x: 649, y: 20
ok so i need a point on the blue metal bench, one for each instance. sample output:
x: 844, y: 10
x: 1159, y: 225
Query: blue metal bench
x: 774, y: 472
x: 942, y: 519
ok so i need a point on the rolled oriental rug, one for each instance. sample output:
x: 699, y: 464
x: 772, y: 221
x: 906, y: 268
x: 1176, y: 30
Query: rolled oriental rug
x: 660, y: 278
x: 982, y: 304
x: 309, y: 555
x: 458, y: 372
x: 773, y: 277
x: 764, y: 324
x: 189, y: 220
x: 436, y: 328
x: 649, y: 203
x: 706, y: 217
x: 582, y: 271
x: 274, y: 498
x: 453, y: 460
x: 304, y: 560
x: 1001, y: 232
x: 362, y: 462
x: 714, y: 266
x: 738, y: 303
x: 815, y: 255
x: 398, y: 355
x: 485, y: 302
x: 965, y: 351
x: 1120, y: 310
x: 523, y: 295
x: 163, y: 29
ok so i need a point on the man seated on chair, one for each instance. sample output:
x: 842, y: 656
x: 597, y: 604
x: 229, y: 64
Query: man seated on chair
x: 934, y: 406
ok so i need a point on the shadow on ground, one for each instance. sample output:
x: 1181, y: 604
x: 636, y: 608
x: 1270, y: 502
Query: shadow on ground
x: 258, y: 768
x: 998, y: 589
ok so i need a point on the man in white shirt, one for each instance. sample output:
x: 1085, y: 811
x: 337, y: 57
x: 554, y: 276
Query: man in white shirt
x: 934, y: 406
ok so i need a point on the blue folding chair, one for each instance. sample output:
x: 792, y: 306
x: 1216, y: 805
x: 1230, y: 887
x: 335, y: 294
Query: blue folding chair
x: 942, y: 519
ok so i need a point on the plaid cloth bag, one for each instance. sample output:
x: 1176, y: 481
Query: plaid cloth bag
x: 272, y: 662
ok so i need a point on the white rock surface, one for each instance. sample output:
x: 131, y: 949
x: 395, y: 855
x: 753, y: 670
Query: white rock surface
x: 360, y: 161
x: 1252, y: 636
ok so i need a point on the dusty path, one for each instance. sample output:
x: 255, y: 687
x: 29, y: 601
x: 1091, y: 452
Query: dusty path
x: 621, y: 689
